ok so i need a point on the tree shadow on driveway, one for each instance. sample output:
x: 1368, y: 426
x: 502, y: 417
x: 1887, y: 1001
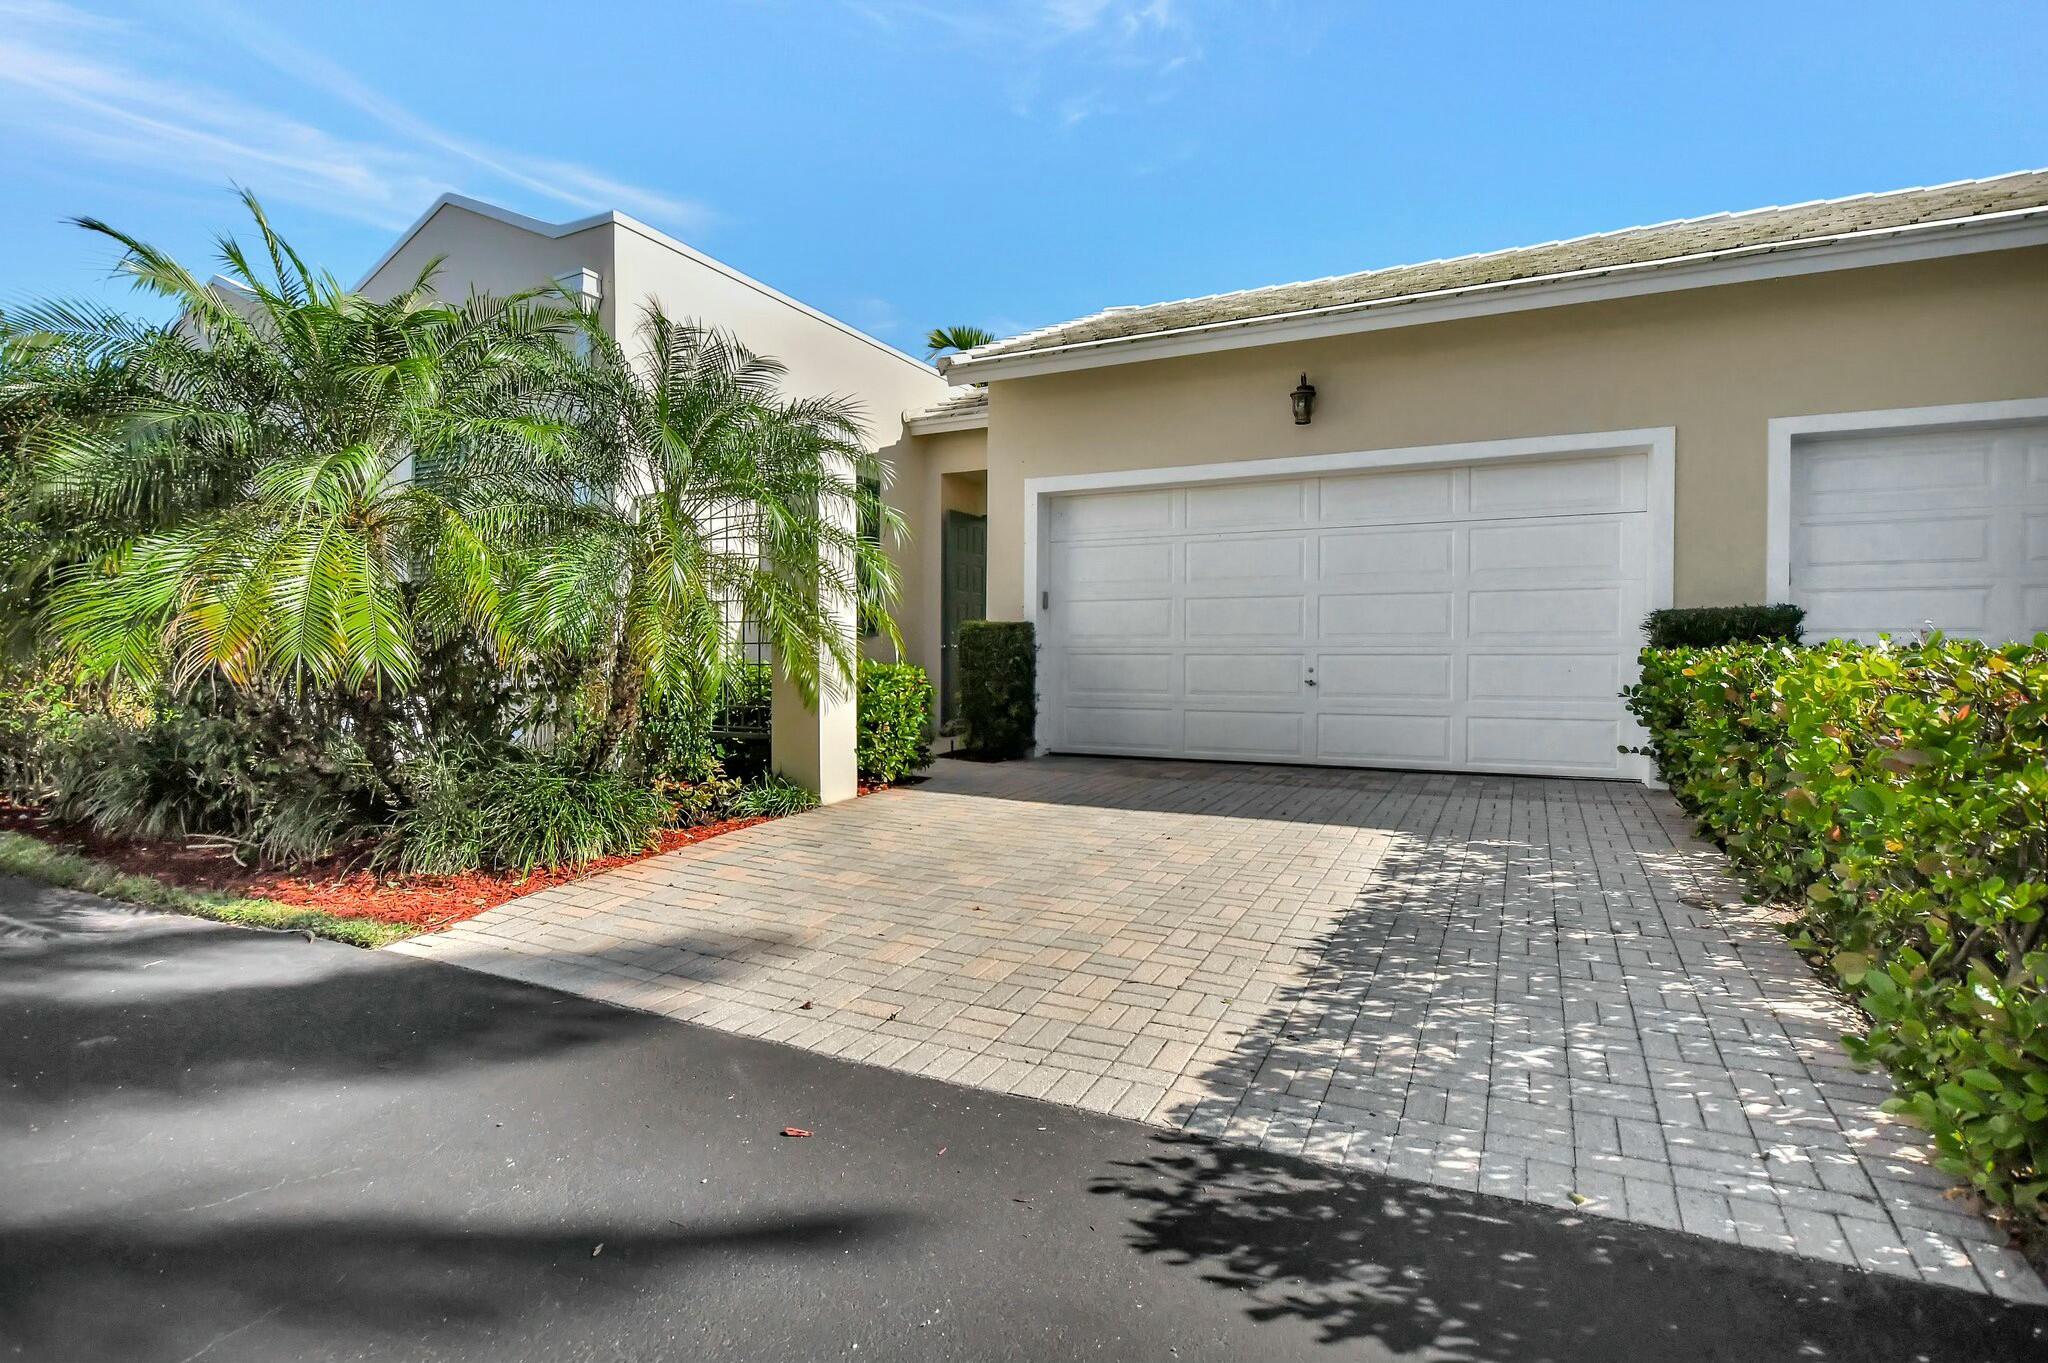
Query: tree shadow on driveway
x: 98, y: 1290
x: 1435, y: 1273
x: 101, y: 1001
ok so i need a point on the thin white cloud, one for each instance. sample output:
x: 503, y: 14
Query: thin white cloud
x: 563, y: 181
x: 61, y: 87
x: 118, y: 115
x: 1041, y: 41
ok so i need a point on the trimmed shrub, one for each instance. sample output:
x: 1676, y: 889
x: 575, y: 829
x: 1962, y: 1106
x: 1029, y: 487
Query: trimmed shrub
x: 1713, y: 626
x: 998, y: 661
x: 1898, y: 794
x: 895, y: 720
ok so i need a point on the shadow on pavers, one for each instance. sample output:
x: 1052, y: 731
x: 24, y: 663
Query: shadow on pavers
x: 1437, y: 1273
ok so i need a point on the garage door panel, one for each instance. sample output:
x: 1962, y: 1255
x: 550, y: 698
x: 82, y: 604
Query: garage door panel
x: 1561, y: 548
x: 1894, y: 532
x: 1559, y: 487
x: 1244, y: 733
x: 1247, y: 506
x: 1124, y: 620
x: 1260, y: 559
x: 2034, y: 604
x: 1900, y: 611
x: 2037, y: 539
x: 1898, y: 543
x: 1548, y: 612
x: 1381, y: 554
x: 1251, y: 675
x: 1123, y: 728
x: 1216, y: 619
x: 1543, y: 677
x: 1104, y: 569
x: 1365, y: 739
x: 1386, y: 615
x: 1121, y: 676
x: 1388, y: 498
x: 1111, y: 514
x: 1844, y: 475
x: 1354, y: 677
x: 1544, y: 743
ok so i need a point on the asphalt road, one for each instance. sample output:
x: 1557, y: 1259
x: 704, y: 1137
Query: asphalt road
x: 224, y: 1145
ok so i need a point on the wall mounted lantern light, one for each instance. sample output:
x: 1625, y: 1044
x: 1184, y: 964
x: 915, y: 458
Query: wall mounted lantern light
x: 1304, y: 396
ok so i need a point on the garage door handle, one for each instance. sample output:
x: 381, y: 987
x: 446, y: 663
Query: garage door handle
x: 1311, y: 681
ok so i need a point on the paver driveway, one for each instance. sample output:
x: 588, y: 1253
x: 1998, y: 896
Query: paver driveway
x: 1543, y: 989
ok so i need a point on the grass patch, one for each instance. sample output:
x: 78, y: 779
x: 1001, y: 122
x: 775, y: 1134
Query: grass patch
x: 34, y: 859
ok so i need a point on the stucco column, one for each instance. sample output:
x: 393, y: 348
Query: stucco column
x: 813, y: 746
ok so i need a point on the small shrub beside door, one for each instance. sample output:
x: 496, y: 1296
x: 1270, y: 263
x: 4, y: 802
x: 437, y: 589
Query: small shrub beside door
x: 998, y: 662
x: 895, y: 721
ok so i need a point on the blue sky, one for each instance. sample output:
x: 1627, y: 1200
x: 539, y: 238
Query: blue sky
x: 902, y: 163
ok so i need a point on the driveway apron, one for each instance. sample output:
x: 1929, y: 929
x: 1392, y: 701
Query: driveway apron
x: 1542, y: 989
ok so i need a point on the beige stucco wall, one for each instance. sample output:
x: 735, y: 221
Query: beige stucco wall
x: 1714, y: 363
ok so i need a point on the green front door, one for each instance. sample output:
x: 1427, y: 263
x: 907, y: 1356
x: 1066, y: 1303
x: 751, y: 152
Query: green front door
x: 963, y: 595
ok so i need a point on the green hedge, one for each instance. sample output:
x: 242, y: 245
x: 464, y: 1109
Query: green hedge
x: 1899, y: 794
x: 998, y: 661
x: 1713, y: 626
x: 895, y: 721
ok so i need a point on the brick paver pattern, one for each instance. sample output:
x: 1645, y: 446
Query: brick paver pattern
x: 1542, y: 989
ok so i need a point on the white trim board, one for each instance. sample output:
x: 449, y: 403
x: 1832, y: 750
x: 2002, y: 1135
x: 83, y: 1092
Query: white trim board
x: 1659, y: 443
x: 1785, y: 430
x: 2013, y: 230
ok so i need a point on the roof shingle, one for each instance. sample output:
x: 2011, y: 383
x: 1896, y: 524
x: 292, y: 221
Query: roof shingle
x: 1759, y: 229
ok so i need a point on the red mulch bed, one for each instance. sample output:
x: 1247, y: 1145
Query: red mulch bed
x: 427, y: 902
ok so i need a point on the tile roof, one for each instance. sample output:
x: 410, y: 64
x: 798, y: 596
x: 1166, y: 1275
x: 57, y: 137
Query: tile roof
x: 1670, y: 242
x: 961, y: 406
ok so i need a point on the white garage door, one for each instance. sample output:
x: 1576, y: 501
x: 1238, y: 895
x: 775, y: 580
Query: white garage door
x: 1893, y: 533
x: 1478, y: 617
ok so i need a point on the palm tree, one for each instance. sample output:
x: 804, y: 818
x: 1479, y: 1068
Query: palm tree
x: 710, y: 507
x: 238, y: 486
x: 943, y: 340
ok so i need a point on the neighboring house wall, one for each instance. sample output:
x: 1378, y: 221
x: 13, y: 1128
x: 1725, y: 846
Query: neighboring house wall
x: 483, y: 254
x: 1717, y: 364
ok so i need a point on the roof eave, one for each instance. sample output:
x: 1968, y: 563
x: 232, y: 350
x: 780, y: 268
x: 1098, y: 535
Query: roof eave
x: 938, y: 423
x: 2010, y: 230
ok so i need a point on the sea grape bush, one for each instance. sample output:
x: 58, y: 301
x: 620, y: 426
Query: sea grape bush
x: 1898, y: 794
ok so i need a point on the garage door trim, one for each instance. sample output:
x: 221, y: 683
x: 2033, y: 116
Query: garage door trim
x: 1657, y: 444
x: 1787, y: 432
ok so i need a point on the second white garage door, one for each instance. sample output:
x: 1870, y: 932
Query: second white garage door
x: 1895, y: 533
x: 1477, y: 617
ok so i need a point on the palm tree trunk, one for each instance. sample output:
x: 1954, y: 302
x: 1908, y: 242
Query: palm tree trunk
x: 627, y: 683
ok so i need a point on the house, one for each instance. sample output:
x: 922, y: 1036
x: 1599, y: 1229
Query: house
x: 1440, y: 557
x: 1413, y: 517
